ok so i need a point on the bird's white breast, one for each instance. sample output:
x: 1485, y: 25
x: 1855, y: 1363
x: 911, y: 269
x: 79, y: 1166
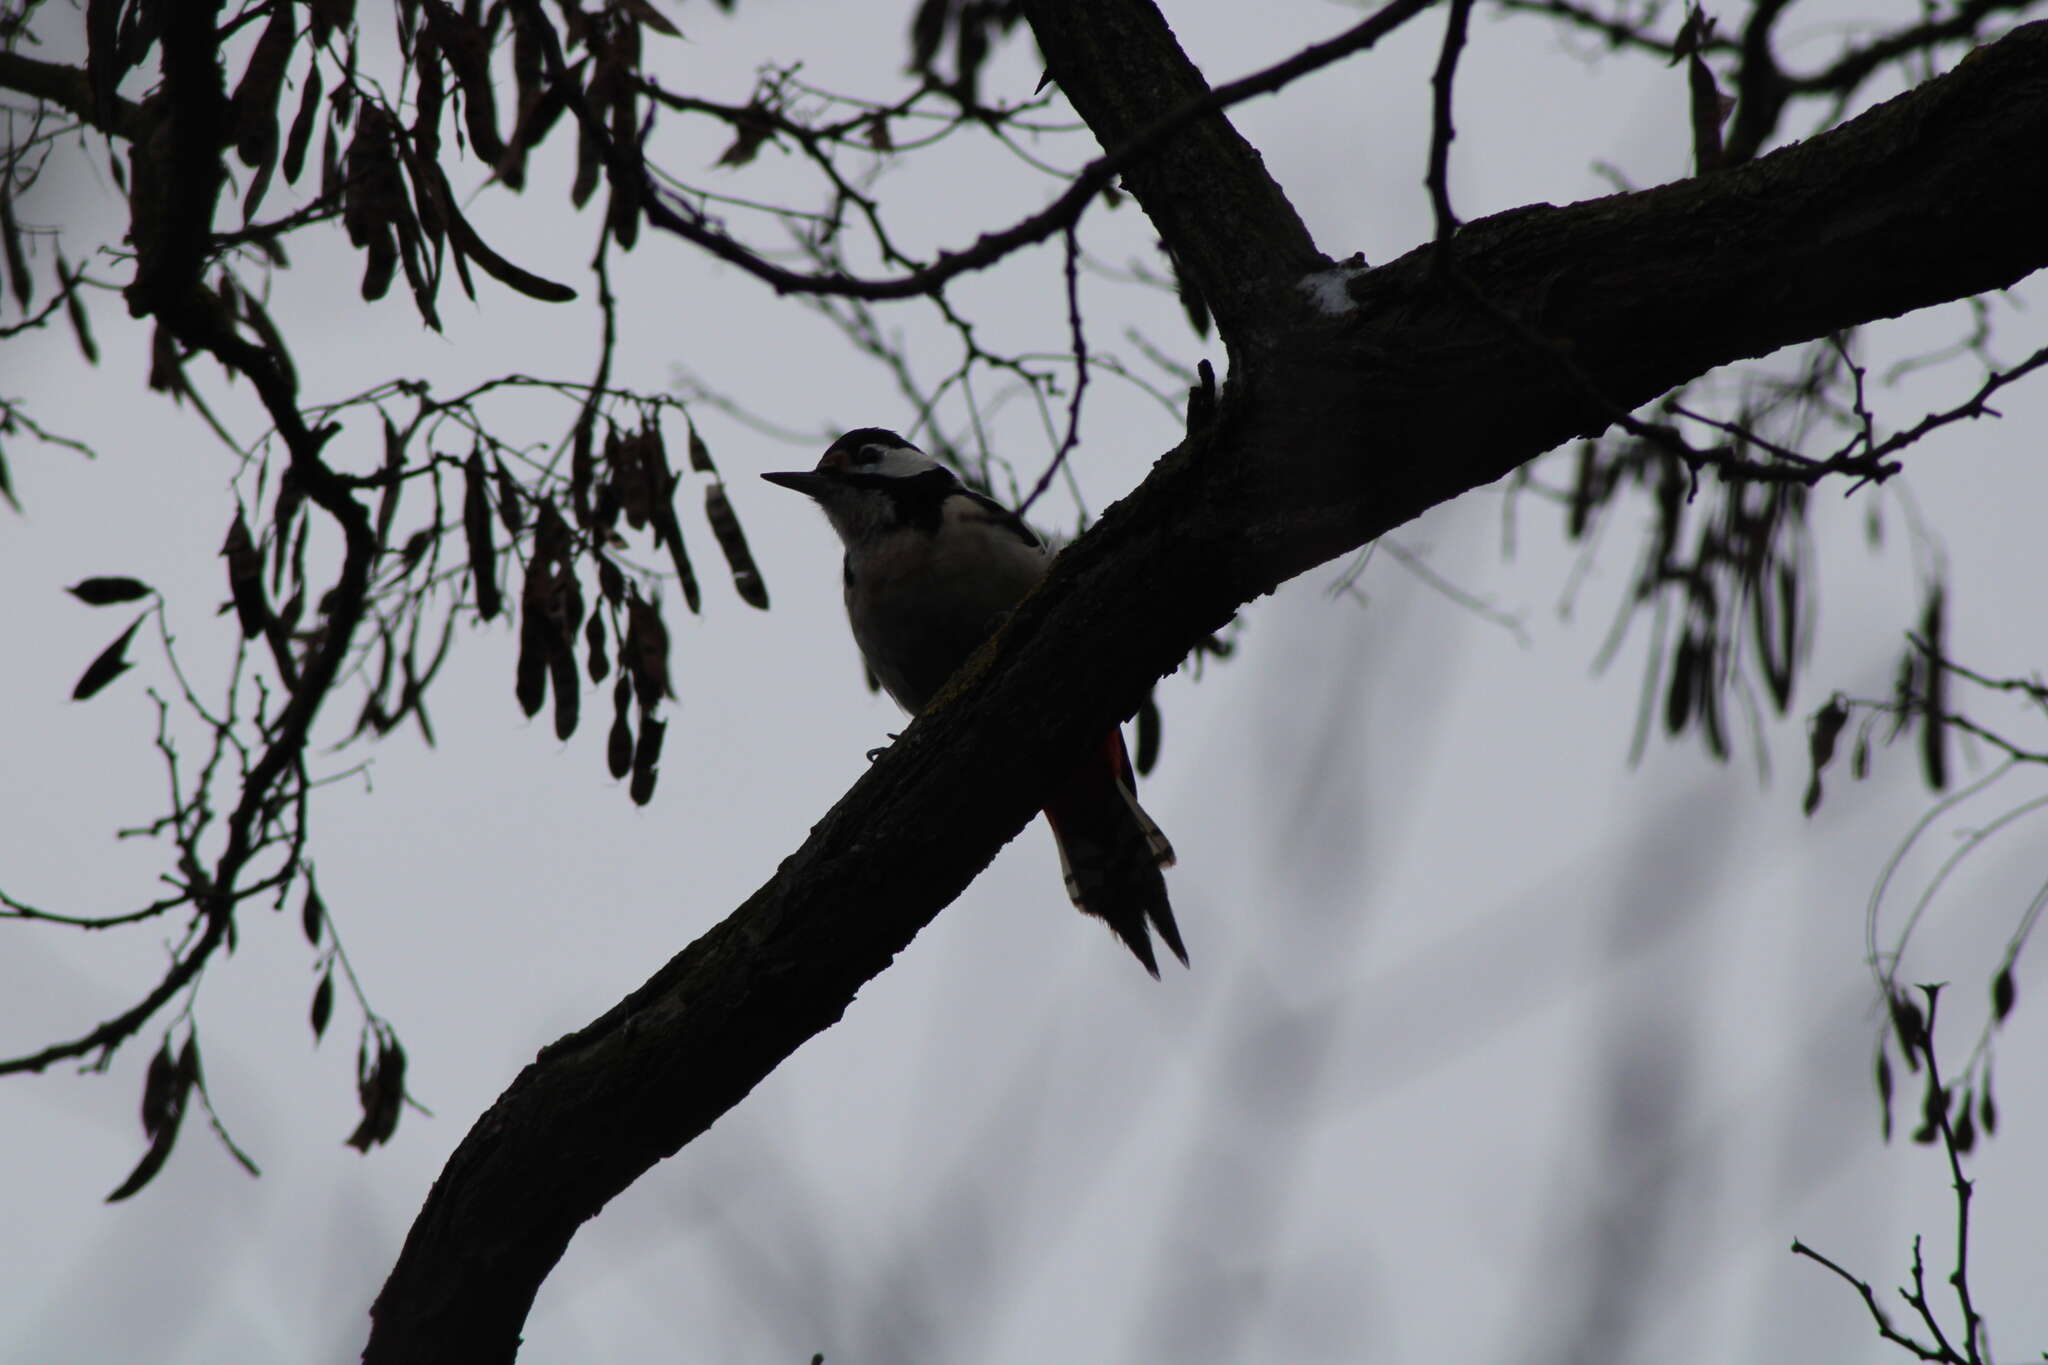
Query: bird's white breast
x: 920, y: 602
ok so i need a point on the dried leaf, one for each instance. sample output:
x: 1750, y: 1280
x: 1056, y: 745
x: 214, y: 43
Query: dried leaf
x: 394, y: 464
x: 647, y: 759
x: 381, y: 1089
x: 645, y: 653
x: 245, y: 578
x: 623, y: 211
x: 568, y: 691
x: 669, y: 532
x: 301, y: 136
x: 746, y: 578
x: 259, y: 185
x: 1884, y: 1088
x: 589, y: 159
x: 2004, y: 993
x: 1965, y: 1128
x: 74, y: 311
x: 1934, y: 678
x: 634, y: 474
x: 508, y: 497
x: 1911, y: 1025
x: 534, y: 126
x: 619, y: 746
x: 610, y: 581
x: 105, y: 592
x: 255, y: 103
x: 752, y: 135
x: 380, y: 263
x: 375, y: 208
x: 166, y: 366
x: 1580, y: 515
x: 593, y: 639
x: 111, y: 664
x: 700, y: 454
x: 927, y: 31
x: 1148, y: 735
x: 464, y: 239
x: 323, y: 1004
x: 159, y: 1089
x: 164, y: 1093
x: 330, y: 16
x: 1773, y: 619
x: 476, y: 526
x: 415, y: 547
x: 652, y: 17
x: 343, y: 98
x: 152, y: 1160
x: 1821, y: 734
x: 533, y: 92
x: 429, y: 91
x: 1679, y: 701
x: 1697, y: 29
x: 468, y: 50
x: 1932, y: 1111
x: 313, y: 915
x: 535, y: 640
x: 330, y: 162
x: 18, y: 276
x: 1707, y: 109
x: 1710, y: 710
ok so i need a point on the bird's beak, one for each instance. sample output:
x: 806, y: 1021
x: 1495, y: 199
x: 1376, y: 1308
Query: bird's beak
x: 807, y: 481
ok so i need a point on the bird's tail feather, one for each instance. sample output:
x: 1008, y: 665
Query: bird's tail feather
x: 1111, y: 854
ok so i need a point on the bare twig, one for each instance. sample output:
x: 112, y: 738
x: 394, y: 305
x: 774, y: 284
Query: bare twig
x: 991, y: 247
x: 1079, y: 337
x: 1441, y: 129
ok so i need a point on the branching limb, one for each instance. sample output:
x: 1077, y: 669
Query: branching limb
x: 991, y: 247
x: 1915, y: 1031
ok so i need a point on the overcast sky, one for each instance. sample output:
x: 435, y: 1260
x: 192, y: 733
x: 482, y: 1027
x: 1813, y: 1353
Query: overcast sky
x: 1493, y: 1046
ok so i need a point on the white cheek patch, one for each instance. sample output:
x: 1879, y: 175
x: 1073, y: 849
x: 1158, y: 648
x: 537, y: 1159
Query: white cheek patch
x: 900, y: 462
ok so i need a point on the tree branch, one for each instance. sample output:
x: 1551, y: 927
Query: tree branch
x: 179, y: 176
x: 1351, y: 422
x: 68, y: 88
x: 1143, y: 125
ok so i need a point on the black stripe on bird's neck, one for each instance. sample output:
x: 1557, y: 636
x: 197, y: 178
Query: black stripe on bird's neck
x: 917, y: 499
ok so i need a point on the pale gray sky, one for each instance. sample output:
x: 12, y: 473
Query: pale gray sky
x: 1492, y: 1048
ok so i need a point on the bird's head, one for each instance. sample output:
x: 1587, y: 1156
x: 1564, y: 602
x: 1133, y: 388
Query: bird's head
x: 869, y: 481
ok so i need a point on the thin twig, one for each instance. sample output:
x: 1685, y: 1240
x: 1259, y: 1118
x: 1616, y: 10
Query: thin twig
x: 1441, y: 129
x: 1079, y: 337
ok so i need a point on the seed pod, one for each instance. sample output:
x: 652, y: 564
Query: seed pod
x: 647, y: 759
x: 476, y: 526
x: 746, y: 577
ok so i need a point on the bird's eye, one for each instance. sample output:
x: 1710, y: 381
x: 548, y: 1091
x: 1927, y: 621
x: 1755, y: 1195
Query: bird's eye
x: 868, y: 455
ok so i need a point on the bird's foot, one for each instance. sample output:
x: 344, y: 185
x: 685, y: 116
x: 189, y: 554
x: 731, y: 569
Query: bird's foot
x: 874, y: 754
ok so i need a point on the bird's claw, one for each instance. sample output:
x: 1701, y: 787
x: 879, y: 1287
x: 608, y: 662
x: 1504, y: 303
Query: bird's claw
x: 874, y: 754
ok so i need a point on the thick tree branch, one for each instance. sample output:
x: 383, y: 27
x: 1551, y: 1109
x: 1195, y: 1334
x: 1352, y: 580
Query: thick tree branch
x: 69, y: 89
x: 1350, y: 423
x: 1231, y: 228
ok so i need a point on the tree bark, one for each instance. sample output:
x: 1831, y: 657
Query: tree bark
x: 1342, y: 420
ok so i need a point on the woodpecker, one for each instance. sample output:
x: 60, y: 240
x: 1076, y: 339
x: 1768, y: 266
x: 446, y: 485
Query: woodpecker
x: 931, y: 567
